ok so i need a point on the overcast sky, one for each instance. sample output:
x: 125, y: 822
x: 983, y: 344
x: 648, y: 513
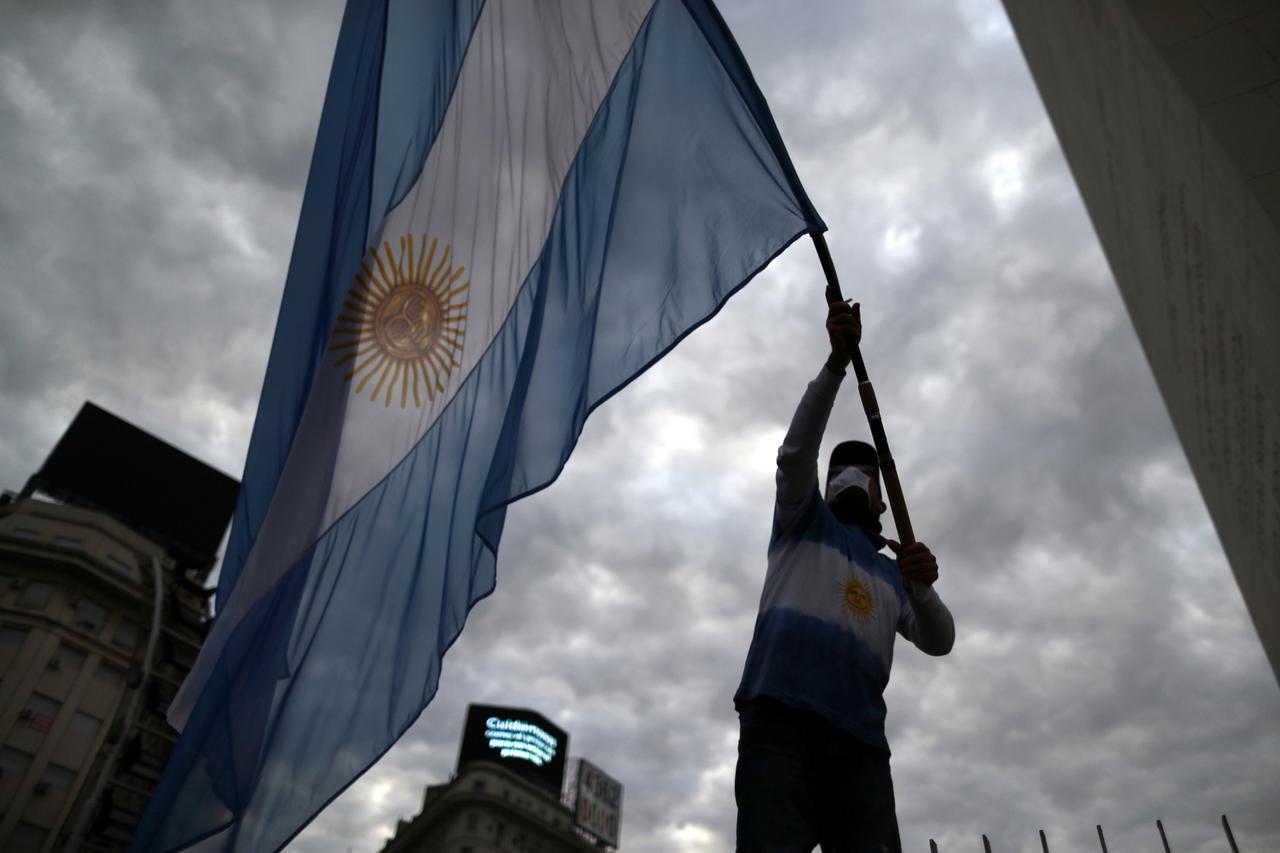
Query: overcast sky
x: 152, y: 162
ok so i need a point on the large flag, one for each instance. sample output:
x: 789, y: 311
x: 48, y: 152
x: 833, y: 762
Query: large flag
x: 513, y: 209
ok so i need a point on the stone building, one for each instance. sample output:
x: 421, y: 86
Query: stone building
x: 99, y: 624
x: 487, y: 808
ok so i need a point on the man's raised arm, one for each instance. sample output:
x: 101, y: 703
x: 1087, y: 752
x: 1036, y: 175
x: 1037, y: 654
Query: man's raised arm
x: 798, y: 455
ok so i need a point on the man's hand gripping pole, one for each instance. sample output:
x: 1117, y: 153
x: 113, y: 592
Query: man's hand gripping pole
x: 888, y: 469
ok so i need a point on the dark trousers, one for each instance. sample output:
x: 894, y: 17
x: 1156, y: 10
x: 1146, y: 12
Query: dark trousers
x: 802, y: 782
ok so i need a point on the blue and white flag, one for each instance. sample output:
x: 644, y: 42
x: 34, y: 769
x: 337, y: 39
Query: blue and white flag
x: 513, y: 209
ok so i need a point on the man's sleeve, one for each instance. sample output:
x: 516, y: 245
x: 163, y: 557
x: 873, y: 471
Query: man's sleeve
x: 927, y: 622
x: 798, y: 455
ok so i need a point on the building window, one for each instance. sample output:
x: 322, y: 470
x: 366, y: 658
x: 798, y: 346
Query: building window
x: 67, y: 659
x: 67, y: 541
x: 52, y: 790
x: 26, y: 838
x: 58, y: 778
x: 126, y: 635
x: 35, y: 595
x: 90, y: 616
x: 119, y: 565
x: 25, y: 532
x: 11, y: 640
x: 84, y: 725
x: 471, y: 821
x: 40, y: 712
x: 5, y: 582
x: 109, y: 676
x: 13, y: 764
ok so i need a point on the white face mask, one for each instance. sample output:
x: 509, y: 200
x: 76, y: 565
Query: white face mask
x: 850, y: 477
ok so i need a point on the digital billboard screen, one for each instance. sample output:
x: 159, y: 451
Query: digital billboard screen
x: 523, y: 741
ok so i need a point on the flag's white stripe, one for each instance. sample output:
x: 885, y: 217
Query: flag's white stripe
x: 534, y: 76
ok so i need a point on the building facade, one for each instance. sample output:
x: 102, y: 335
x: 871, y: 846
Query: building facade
x: 487, y: 808
x: 78, y: 695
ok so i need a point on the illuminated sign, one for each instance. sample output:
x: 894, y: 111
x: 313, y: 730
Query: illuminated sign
x: 521, y: 740
x: 514, y: 738
x: 597, y: 802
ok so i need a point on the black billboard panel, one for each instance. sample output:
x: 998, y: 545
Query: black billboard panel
x: 523, y: 741
x: 109, y: 464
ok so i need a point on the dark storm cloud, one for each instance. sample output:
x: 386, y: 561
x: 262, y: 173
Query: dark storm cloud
x: 1105, y: 670
x: 153, y: 161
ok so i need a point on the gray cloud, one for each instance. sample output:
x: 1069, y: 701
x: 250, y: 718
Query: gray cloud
x: 1105, y: 670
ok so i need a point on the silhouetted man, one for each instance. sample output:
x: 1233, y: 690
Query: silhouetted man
x: 813, y: 762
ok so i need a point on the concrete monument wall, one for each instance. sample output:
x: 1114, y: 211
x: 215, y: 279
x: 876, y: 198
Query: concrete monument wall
x: 1169, y: 115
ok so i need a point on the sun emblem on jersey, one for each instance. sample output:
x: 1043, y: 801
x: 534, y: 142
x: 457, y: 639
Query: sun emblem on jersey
x: 401, y: 331
x: 857, y: 599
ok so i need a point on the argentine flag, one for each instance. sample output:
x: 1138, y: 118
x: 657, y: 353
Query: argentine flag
x: 514, y: 208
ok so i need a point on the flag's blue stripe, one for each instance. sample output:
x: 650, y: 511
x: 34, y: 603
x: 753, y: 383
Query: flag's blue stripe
x: 394, y: 71
x: 425, y: 46
x: 718, y: 37
x: 673, y: 202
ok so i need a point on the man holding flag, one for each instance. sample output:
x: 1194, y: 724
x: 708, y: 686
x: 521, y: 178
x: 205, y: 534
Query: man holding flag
x: 813, y: 762
x: 513, y: 209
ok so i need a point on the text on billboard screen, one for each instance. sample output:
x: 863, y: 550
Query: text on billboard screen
x: 518, y: 739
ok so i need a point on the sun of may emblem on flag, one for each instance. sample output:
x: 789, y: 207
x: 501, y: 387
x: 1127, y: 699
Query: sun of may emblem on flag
x: 404, y: 323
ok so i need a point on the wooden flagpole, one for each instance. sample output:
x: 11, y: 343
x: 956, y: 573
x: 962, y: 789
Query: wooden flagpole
x: 888, y: 469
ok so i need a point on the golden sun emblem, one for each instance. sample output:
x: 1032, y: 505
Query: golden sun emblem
x: 857, y: 599
x: 403, y: 324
